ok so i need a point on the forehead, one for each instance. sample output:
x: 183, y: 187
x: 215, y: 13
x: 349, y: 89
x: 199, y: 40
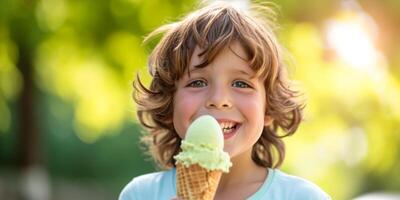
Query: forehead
x: 232, y: 52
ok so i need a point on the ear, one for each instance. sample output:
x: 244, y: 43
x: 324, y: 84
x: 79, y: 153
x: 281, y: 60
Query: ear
x: 268, y: 120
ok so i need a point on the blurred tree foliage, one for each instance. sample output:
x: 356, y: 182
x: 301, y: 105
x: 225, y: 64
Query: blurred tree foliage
x: 66, y: 70
x: 83, y: 55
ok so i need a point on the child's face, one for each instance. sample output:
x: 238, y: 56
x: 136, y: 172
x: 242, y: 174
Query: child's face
x: 226, y: 90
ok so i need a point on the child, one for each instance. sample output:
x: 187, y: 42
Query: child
x: 225, y: 62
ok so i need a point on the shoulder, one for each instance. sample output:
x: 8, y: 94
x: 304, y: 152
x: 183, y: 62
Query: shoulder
x: 150, y: 186
x: 297, y: 188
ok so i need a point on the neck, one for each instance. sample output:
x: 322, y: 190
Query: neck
x: 243, y: 171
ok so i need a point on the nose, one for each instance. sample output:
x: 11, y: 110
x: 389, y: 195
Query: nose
x: 219, y: 98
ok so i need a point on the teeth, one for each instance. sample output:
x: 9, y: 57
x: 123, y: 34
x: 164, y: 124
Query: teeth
x: 226, y: 126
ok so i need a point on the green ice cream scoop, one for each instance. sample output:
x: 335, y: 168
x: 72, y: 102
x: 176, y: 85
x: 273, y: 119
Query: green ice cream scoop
x: 203, y: 145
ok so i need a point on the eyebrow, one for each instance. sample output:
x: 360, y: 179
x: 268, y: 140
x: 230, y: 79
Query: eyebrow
x: 249, y: 74
x: 243, y: 72
x: 240, y: 71
x: 192, y: 69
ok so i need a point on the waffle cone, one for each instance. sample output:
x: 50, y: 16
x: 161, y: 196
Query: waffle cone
x: 196, y: 183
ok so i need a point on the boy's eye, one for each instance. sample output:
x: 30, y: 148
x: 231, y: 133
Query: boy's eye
x: 197, y: 83
x: 240, y: 84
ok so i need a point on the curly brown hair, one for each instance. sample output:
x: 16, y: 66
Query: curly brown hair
x: 213, y: 28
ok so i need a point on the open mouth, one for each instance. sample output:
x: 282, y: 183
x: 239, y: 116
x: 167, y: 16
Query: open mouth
x: 229, y: 128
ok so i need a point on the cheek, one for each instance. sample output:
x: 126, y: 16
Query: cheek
x: 184, y: 109
x: 256, y: 112
x: 253, y: 108
x: 251, y: 105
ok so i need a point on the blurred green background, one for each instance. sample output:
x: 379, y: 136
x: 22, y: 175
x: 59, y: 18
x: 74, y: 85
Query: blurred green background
x: 67, y: 120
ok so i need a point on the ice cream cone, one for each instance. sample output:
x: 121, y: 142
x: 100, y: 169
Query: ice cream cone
x: 196, y: 183
x: 202, y: 161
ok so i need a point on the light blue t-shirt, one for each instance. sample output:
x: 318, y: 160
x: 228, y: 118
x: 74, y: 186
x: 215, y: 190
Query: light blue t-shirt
x: 277, y: 186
